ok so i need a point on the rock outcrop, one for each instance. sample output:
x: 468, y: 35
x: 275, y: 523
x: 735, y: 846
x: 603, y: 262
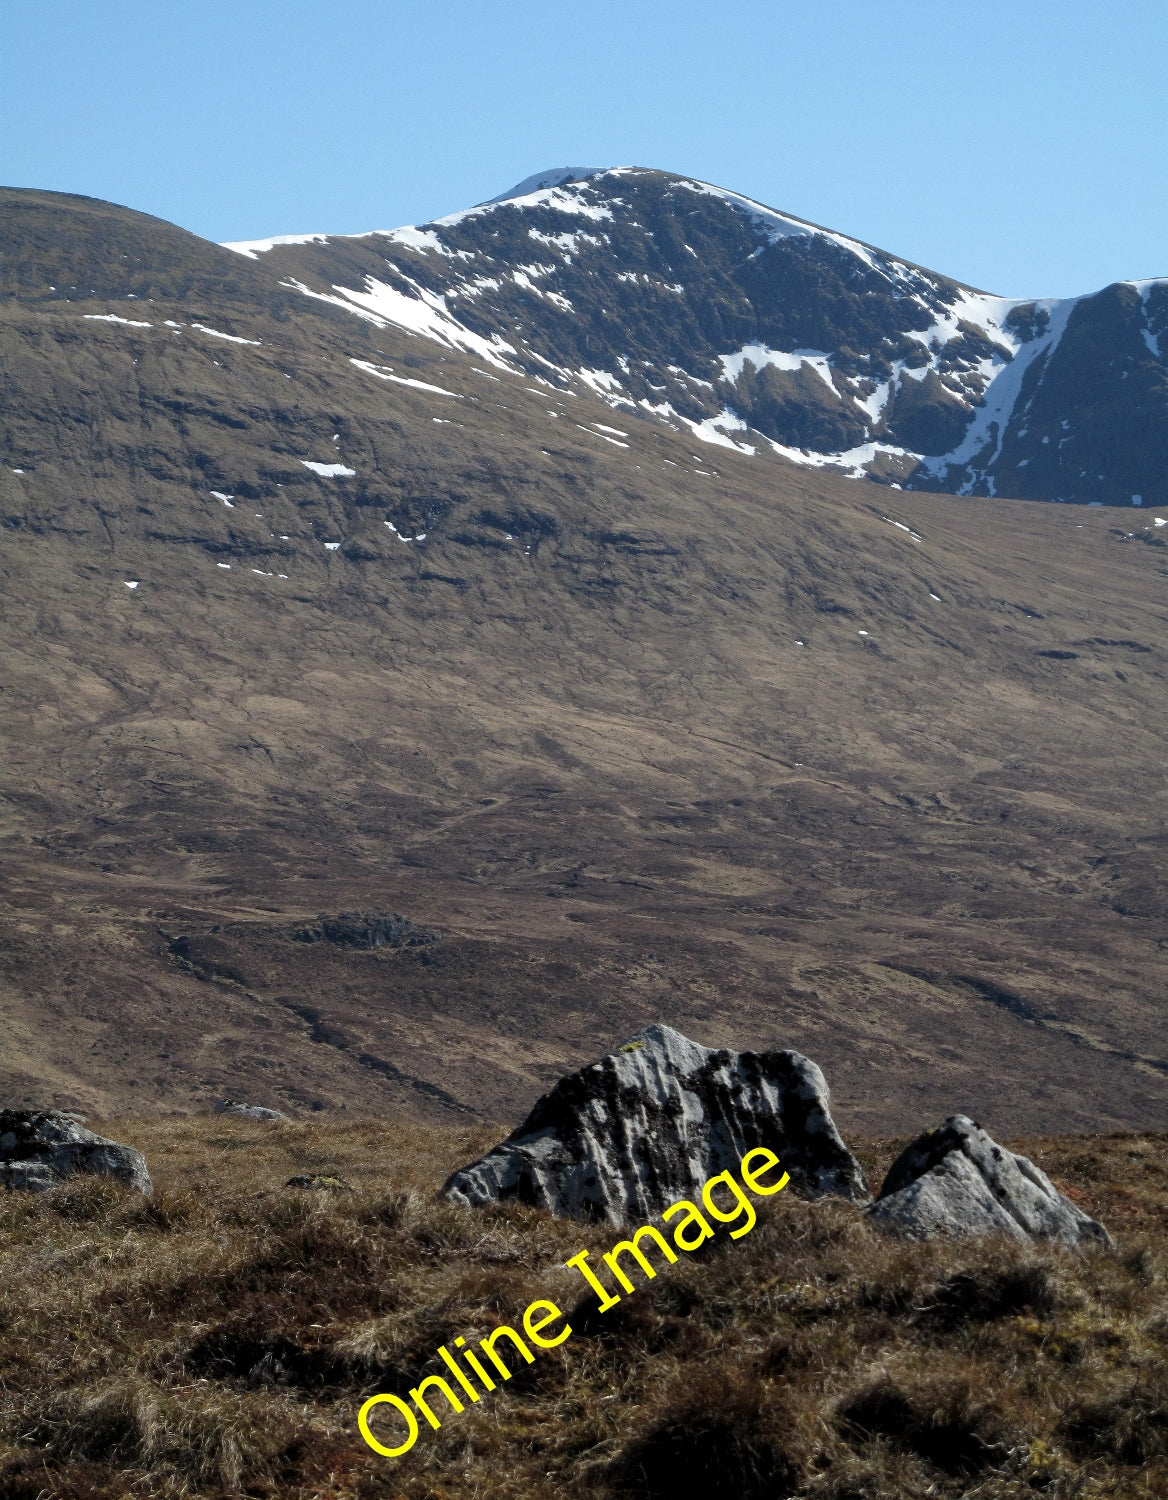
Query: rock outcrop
x: 956, y: 1180
x: 41, y: 1148
x: 626, y: 1136
x: 248, y: 1111
x: 370, y: 929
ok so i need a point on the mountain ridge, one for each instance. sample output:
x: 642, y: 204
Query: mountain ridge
x: 787, y: 338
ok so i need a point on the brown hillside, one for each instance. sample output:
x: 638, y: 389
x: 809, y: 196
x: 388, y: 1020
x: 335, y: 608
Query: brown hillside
x: 573, y: 730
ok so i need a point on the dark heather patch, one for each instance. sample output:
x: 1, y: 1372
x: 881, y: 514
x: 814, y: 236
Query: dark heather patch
x: 984, y: 1294
x: 950, y: 1428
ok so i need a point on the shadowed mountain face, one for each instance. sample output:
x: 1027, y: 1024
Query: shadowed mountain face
x: 305, y: 616
x: 682, y: 302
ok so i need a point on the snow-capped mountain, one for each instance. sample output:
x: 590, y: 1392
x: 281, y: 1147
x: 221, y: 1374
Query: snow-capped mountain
x: 755, y: 330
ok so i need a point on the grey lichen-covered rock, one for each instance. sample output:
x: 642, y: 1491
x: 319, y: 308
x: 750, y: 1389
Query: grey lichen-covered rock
x: 624, y: 1138
x: 956, y: 1180
x: 248, y: 1111
x: 41, y: 1148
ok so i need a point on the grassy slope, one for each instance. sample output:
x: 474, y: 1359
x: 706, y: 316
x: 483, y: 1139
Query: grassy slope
x: 221, y: 1338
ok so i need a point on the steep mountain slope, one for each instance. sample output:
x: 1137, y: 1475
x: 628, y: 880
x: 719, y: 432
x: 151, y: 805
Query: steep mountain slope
x: 681, y: 301
x: 773, y: 756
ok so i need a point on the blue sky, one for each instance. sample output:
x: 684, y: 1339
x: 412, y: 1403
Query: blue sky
x: 1018, y: 146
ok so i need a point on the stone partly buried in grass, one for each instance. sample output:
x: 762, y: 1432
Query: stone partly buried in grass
x: 241, y: 1111
x: 653, y: 1121
x: 957, y: 1181
x: 41, y: 1148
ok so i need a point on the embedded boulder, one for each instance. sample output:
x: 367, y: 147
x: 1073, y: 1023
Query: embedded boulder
x: 650, y: 1123
x: 41, y: 1148
x: 243, y: 1111
x: 956, y: 1180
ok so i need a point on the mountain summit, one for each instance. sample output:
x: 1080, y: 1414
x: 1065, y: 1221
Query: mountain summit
x: 752, y: 329
x: 554, y: 177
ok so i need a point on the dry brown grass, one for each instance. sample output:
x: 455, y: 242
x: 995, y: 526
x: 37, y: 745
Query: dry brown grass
x: 219, y: 1339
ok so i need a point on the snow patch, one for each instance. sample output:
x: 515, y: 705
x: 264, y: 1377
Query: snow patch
x: 714, y: 430
x: 759, y: 356
x: 253, y: 249
x: 900, y: 526
x: 561, y: 199
x: 113, y: 318
x: 424, y: 312
x: 553, y: 177
x: 568, y: 243
x: 422, y: 240
x: 329, y: 471
x: 230, y: 337
x: 420, y: 385
x: 852, y: 463
x: 986, y: 432
x: 614, y: 441
x: 601, y: 382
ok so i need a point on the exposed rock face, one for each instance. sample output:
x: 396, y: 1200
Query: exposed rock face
x: 41, y: 1148
x: 248, y: 1111
x: 366, y: 930
x: 956, y: 1180
x: 623, y: 1138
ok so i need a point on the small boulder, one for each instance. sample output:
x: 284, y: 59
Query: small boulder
x: 956, y: 1180
x: 248, y: 1111
x: 41, y: 1148
x: 650, y: 1123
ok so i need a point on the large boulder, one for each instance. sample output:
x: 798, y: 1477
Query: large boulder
x: 649, y: 1124
x: 956, y: 1180
x: 41, y: 1148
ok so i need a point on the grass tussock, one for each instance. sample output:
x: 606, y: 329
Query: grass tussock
x: 219, y: 1339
